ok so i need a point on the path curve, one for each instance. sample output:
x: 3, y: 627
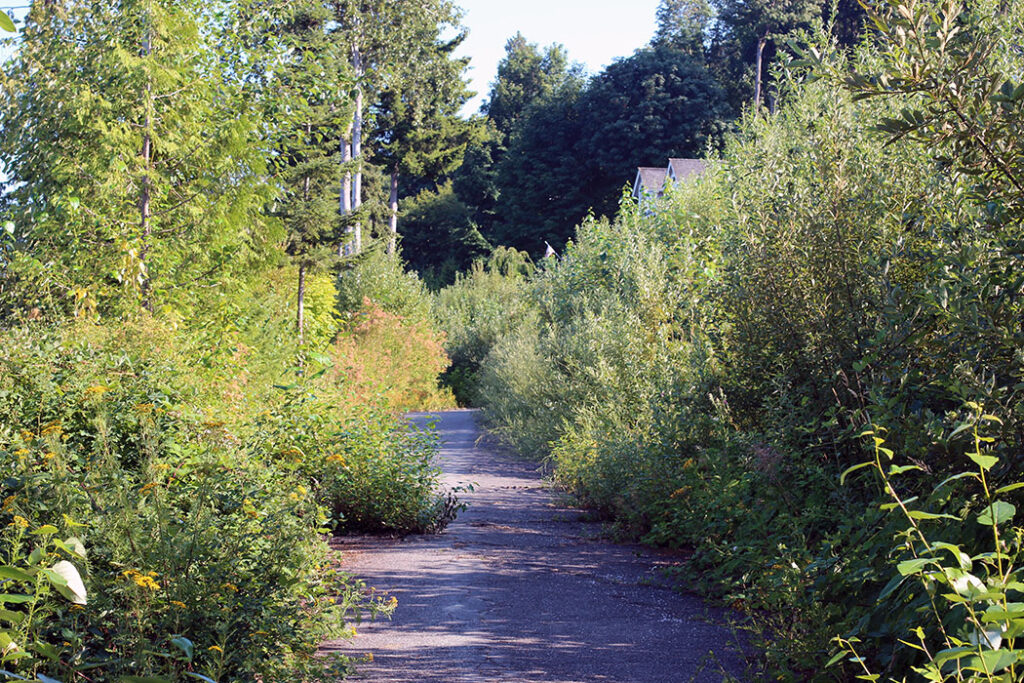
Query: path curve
x: 519, y: 588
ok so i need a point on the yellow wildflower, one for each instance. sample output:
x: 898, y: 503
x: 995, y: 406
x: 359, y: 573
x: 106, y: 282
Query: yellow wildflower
x: 96, y: 390
x: 231, y: 587
x: 178, y: 603
x: 151, y: 485
x: 52, y: 428
x: 688, y: 463
x: 8, y: 503
x: 248, y: 508
x: 49, y: 455
x: 26, y: 435
x: 22, y: 452
x: 20, y: 521
x: 216, y: 648
x: 142, y: 580
x: 335, y: 458
x: 144, y: 408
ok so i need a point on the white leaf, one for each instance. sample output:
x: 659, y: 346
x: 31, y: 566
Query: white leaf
x: 68, y: 572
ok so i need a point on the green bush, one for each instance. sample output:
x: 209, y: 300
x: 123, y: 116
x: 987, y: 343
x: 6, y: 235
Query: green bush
x: 205, y: 542
x: 480, y: 307
x: 700, y: 370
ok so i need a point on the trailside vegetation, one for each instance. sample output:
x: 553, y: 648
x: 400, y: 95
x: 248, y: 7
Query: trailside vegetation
x: 199, y: 380
x: 804, y: 368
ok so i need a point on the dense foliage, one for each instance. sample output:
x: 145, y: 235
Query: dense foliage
x: 721, y: 369
x: 198, y: 381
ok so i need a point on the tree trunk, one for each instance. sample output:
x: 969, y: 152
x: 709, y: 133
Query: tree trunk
x: 757, y: 76
x: 345, y: 201
x: 145, y: 191
x: 357, y: 148
x: 300, y: 308
x: 393, y: 205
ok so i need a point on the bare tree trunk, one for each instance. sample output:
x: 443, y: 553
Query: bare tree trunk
x: 300, y: 309
x: 357, y: 147
x: 757, y: 76
x: 393, y: 205
x: 345, y: 202
x: 145, y: 191
x: 300, y: 304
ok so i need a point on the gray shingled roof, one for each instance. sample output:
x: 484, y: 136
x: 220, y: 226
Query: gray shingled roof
x: 681, y: 169
x: 649, y: 180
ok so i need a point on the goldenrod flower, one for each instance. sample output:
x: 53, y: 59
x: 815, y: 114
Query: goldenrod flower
x: 216, y: 648
x: 178, y: 603
x: 52, y: 428
x: 20, y: 521
x: 142, y: 580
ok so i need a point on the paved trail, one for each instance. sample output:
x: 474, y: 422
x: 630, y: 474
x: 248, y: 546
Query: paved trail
x: 520, y: 589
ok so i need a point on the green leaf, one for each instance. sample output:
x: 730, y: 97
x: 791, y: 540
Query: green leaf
x: 6, y: 23
x: 14, y: 573
x: 849, y: 470
x: 962, y: 558
x: 1011, y: 487
x: 908, y: 567
x: 990, y: 661
x: 985, y: 462
x: 997, y: 513
x: 836, y: 658
x: 46, y: 529
x: 921, y: 514
x: 12, y: 617
x: 9, y: 599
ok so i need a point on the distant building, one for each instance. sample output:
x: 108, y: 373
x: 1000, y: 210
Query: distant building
x: 651, y: 181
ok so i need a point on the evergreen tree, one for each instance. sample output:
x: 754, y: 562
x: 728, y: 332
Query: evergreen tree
x: 418, y: 130
x: 308, y: 159
x: 526, y: 76
x: 575, y: 151
x: 383, y: 38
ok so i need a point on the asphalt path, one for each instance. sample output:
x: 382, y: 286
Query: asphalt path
x: 521, y: 588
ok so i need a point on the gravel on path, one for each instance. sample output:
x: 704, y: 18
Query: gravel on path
x: 520, y: 588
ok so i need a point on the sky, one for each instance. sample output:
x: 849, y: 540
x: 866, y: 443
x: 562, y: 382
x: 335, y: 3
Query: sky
x: 594, y: 32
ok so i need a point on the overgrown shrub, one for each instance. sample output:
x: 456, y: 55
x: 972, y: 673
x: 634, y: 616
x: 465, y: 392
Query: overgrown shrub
x: 165, y: 449
x: 700, y: 370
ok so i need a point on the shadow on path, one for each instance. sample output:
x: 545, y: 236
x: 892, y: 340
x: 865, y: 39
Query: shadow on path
x: 519, y: 588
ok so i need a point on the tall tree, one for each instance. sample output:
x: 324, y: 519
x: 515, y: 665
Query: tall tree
x: 382, y: 37
x: 310, y: 119
x: 418, y: 130
x: 749, y: 28
x: 130, y: 177
x: 526, y: 75
x: 575, y: 151
x: 683, y: 25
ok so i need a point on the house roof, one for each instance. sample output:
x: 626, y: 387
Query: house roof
x: 680, y: 169
x: 649, y: 180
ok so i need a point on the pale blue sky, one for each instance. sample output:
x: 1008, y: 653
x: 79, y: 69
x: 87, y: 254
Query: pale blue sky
x: 594, y: 32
